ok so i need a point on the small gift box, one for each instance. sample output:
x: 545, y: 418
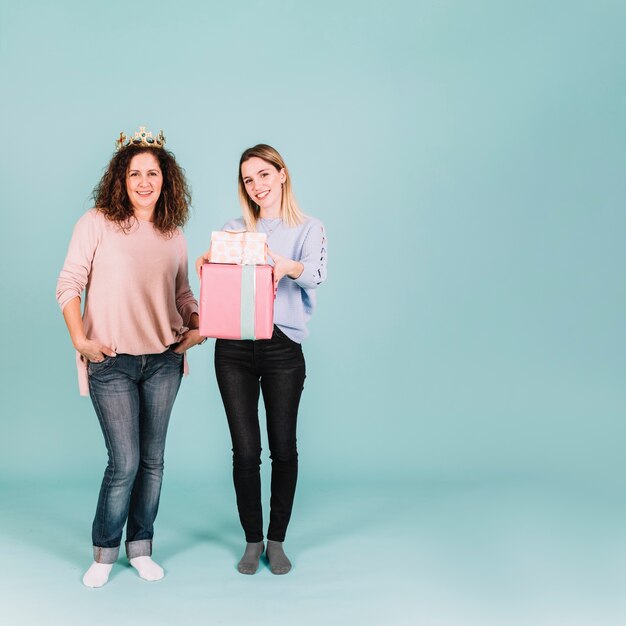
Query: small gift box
x: 236, y: 301
x: 238, y: 246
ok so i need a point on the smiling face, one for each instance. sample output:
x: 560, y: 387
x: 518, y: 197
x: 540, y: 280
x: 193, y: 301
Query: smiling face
x: 263, y: 183
x: 144, y: 180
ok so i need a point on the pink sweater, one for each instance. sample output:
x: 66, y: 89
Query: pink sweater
x: 138, y: 296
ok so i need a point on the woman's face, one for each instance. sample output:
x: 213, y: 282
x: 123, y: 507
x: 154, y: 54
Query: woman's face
x: 144, y: 180
x: 263, y: 182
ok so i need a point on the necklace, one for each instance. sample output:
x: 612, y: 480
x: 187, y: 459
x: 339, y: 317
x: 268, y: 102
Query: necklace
x: 270, y: 224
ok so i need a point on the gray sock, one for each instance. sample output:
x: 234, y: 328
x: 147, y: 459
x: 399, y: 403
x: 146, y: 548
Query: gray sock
x: 250, y: 560
x: 279, y: 563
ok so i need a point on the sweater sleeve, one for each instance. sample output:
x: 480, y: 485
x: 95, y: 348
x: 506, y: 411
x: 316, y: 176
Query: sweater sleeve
x: 313, y: 257
x: 186, y: 304
x: 77, y: 267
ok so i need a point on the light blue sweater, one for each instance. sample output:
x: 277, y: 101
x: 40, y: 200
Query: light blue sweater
x: 295, y: 298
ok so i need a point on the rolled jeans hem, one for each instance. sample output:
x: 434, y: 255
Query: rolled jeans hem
x: 142, y: 547
x: 105, y: 555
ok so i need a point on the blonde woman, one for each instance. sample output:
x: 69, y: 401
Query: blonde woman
x: 275, y: 367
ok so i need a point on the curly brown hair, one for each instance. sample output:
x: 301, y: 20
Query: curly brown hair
x: 172, y: 207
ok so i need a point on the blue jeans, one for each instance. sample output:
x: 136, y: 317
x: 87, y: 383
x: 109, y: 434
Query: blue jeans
x: 133, y: 397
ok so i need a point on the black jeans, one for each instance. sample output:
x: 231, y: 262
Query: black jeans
x: 276, y: 367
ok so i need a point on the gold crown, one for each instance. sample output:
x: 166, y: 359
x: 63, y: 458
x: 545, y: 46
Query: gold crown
x: 142, y: 138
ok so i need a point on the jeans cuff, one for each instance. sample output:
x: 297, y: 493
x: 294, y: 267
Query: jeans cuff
x: 143, y: 547
x: 105, y: 555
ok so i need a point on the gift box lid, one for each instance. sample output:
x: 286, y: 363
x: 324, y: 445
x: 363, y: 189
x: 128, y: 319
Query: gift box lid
x: 237, y: 235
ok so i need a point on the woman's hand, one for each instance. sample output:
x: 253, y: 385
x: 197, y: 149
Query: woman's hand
x: 284, y: 267
x: 190, y: 339
x: 94, y: 351
x: 201, y: 260
x: 90, y: 350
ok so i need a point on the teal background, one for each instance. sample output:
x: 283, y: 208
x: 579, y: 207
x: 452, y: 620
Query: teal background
x: 461, y: 432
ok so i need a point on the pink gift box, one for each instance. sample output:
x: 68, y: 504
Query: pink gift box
x: 238, y: 246
x: 236, y: 301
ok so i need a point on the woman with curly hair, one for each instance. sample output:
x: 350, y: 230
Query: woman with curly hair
x: 139, y: 317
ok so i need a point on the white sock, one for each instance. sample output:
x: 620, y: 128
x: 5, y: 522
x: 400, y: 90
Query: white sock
x: 147, y: 568
x: 97, y: 575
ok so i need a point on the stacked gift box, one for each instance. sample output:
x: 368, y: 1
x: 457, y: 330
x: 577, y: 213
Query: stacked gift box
x: 237, y: 287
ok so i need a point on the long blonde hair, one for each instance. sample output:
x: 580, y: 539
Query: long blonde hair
x: 290, y: 212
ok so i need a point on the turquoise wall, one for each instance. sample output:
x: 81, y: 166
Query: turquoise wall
x: 467, y: 159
